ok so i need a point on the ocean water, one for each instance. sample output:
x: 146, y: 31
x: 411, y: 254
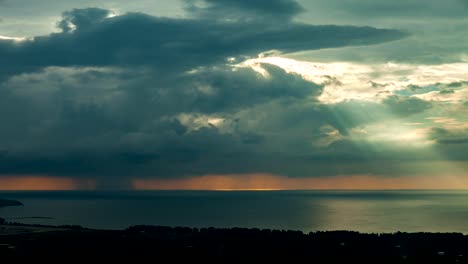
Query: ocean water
x: 364, y: 211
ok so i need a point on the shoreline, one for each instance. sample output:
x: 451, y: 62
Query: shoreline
x: 157, y: 228
x: 7, y: 202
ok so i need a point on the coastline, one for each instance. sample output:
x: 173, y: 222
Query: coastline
x: 6, y: 202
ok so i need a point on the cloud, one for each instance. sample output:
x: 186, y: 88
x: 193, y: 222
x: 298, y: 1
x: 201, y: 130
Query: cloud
x: 375, y: 82
x: 108, y: 123
x: 451, y: 141
x: 404, y: 106
x: 245, y: 10
x: 82, y: 18
x: 408, y: 10
x: 105, y: 122
x: 454, y: 136
x: 454, y: 141
x: 117, y: 97
x: 91, y: 38
x: 114, y: 124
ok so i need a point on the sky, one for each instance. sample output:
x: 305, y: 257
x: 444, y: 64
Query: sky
x: 233, y: 94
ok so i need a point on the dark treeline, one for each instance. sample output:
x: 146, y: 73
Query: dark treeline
x: 4, y: 221
x: 238, y: 245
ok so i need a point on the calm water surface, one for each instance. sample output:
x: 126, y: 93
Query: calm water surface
x: 365, y: 211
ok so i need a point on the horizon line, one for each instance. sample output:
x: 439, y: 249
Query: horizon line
x: 222, y: 190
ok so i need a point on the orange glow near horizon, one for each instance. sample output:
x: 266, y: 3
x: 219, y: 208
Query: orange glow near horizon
x: 44, y: 183
x: 273, y: 182
x: 233, y: 182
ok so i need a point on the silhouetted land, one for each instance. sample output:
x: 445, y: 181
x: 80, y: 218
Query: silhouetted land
x: 236, y: 245
x: 5, y: 202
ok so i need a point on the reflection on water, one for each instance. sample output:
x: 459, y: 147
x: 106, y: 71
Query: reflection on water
x: 365, y: 211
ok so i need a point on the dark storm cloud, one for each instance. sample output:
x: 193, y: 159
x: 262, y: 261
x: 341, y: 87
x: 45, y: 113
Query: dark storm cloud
x: 229, y: 90
x: 91, y: 123
x: 135, y: 95
x: 135, y: 39
x: 105, y: 125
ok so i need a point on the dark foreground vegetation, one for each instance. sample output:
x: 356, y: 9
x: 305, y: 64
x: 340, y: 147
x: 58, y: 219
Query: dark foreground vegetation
x: 236, y: 245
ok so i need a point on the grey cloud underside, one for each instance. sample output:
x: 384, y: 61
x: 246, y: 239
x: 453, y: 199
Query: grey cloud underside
x: 102, y: 124
x: 136, y: 39
x: 107, y: 97
x: 99, y: 124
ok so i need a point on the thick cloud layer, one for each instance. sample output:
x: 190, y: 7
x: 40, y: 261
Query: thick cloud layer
x: 133, y: 95
x: 91, y: 38
x: 103, y: 123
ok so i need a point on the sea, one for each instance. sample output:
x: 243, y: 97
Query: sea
x: 363, y: 211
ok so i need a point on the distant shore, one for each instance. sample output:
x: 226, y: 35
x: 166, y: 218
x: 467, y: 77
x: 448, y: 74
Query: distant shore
x: 5, y: 203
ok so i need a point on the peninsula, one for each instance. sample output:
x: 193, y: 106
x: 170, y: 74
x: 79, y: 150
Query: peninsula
x: 5, y: 202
